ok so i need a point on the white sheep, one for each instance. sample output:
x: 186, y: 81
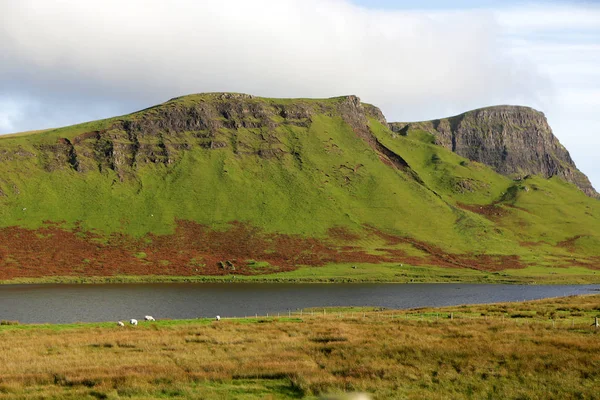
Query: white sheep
x: 218, y: 318
x: 149, y: 318
x: 120, y: 323
x: 133, y: 321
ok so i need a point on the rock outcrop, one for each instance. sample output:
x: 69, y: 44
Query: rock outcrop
x: 514, y: 140
x: 241, y: 123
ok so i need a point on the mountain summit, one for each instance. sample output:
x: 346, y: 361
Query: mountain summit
x: 514, y: 140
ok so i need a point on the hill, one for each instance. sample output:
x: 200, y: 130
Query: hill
x: 515, y: 141
x: 225, y: 183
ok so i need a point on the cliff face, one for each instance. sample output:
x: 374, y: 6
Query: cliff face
x: 243, y: 124
x: 514, y: 140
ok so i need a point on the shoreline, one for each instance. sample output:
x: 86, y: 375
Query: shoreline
x: 432, y: 312
x: 351, y: 273
x: 262, y: 279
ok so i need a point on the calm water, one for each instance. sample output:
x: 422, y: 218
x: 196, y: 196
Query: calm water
x: 111, y: 302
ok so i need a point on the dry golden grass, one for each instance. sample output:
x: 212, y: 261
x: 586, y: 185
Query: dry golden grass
x: 495, y: 351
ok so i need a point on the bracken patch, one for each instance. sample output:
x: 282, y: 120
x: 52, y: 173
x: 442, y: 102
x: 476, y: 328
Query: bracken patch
x: 194, y: 249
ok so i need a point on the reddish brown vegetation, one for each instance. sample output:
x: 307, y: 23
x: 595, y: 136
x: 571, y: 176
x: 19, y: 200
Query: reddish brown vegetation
x: 490, y: 211
x: 194, y: 249
x: 342, y: 233
x: 437, y: 256
x: 570, y: 243
x: 531, y: 244
x: 518, y: 208
x: 570, y: 261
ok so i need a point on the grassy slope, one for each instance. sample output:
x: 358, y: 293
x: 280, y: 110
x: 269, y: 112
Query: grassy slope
x: 336, y: 180
x: 208, y: 187
x: 541, y: 211
x: 536, y: 349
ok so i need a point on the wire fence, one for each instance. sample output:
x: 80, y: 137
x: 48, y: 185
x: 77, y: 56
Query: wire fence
x: 576, y: 323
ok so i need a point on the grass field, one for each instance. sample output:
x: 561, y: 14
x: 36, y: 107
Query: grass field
x: 531, y: 350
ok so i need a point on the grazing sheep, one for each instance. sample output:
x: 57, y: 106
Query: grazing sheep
x: 120, y: 323
x: 149, y: 318
x: 133, y: 321
x: 218, y: 318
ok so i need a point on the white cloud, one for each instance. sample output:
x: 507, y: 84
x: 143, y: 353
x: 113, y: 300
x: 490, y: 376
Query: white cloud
x: 81, y: 60
x: 413, y: 64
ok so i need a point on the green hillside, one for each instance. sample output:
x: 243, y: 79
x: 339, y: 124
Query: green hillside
x: 220, y: 184
x: 530, y: 214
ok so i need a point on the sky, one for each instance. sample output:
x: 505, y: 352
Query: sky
x: 69, y: 61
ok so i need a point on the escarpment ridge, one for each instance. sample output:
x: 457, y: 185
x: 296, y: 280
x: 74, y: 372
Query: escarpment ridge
x: 513, y: 140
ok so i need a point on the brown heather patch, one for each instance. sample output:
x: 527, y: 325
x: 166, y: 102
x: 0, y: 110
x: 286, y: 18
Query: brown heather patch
x: 490, y: 211
x: 531, y: 244
x: 437, y: 256
x: 342, y: 233
x: 589, y: 262
x: 194, y: 249
x: 517, y: 208
x: 570, y: 243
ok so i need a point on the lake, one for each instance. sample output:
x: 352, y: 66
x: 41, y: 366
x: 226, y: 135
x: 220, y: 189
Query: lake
x: 110, y: 302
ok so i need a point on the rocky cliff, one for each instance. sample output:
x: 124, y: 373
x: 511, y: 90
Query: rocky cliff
x: 514, y: 140
x: 161, y: 134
